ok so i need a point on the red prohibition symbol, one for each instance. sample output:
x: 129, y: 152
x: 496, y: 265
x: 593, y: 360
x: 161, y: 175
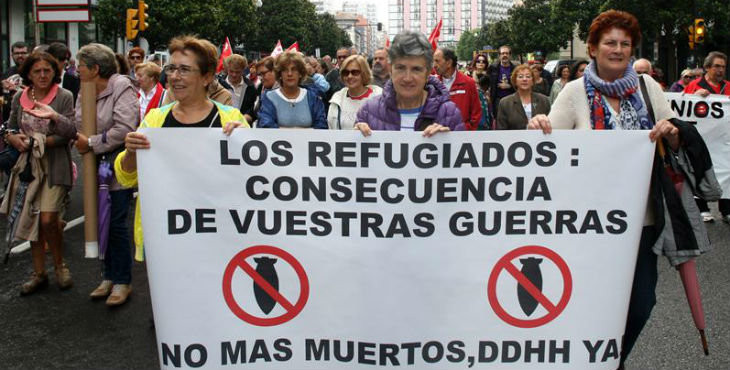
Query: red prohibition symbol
x: 505, y: 264
x: 239, y: 261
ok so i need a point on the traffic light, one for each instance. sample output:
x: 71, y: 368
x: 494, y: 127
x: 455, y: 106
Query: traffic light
x: 142, y: 8
x: 132, y: 23
x: 699, y: 30
x: 691, y: 34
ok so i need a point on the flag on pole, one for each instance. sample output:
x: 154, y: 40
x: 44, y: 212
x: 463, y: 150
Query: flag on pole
x: 294, y: 46
x: 435, y: 34
x: 387, y: 42
x: 225, y: 53
x: 277, y: 49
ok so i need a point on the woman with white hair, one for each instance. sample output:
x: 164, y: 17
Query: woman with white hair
x: 412, y: 100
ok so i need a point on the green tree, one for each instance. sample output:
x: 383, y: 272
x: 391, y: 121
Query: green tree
x: 467, y: 45
x: 329, y: 37
x: 496, y: 34
x: 288, y: 21
x: 213, y: 20
x: 538, y: 25
x: 111, y: 16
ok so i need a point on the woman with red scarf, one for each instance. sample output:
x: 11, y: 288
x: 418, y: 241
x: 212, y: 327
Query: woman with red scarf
x: 150, y: 89
x: 41, y: 121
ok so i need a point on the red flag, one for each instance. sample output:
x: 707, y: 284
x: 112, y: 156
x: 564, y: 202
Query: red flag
x: 225, y: 53
x: 277, y: 49
x: 387, y: 42
x: 294, y: 46
x: 435, y: 34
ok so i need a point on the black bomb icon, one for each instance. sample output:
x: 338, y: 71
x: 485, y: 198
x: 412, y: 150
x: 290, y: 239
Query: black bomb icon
x: 531, y: 270
x: 265, y: 268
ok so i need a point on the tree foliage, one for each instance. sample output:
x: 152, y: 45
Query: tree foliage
x: 467, y: 44
x: 255, y: 29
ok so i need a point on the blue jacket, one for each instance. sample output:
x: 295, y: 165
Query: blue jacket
x: 268, y: 118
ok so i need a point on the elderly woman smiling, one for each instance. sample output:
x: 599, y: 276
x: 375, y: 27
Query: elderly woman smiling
x: 611, y: 96
x: 411, y: 100
x: 191, y: 70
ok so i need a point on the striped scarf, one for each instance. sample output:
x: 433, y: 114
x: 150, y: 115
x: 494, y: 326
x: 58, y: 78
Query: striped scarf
x: 632, y: 116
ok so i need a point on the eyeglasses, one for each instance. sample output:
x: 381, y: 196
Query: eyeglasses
x: 341, y: 57
x: 686, y: 77
x: 184, y: 70
x: 481, y: 61
x: 347, y: 72
x: 718, y: 66
x: 20, y: 53
x: 262, y: 73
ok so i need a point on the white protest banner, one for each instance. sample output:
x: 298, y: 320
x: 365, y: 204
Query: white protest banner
x: 711, y: 116
x: 300, y: 249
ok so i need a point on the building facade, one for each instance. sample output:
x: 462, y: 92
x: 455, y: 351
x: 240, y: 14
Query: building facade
x: 422, y: 15
x: 17, y: 24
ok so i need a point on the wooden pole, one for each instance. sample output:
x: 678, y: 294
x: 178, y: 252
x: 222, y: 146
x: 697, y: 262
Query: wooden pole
x: 88, y: 128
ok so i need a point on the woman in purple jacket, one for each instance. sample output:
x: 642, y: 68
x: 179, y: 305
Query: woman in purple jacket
x: 411, y: 100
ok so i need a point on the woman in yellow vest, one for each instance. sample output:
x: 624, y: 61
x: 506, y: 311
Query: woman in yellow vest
x: 191, y: 69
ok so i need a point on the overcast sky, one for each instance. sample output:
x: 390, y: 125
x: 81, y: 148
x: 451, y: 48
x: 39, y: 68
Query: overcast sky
x: 382, y: 8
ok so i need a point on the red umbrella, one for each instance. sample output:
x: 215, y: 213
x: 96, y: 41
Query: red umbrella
x: 688, y: 270
x: 688, y: 273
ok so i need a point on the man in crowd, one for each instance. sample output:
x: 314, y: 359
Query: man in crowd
x: 10, y: 80
x: 314, y: 78
x: 642, y: 66
x: 462, y: 89
x: 713, y: 82
x: 242, y: 90
x: 499, y: 77
x: 69, y: 81
x: 134, y: 57
x: 333, y: 77
x: 547, y: 76
x: 381, y: 67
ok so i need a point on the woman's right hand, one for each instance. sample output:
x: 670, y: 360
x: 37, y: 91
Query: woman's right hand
x: 364, y: 128
x: 136, y: 140
x: 540, y: 122
x: 19, y: 141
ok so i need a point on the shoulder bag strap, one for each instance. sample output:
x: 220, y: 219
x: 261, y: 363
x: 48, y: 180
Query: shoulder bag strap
x: 647, y: 101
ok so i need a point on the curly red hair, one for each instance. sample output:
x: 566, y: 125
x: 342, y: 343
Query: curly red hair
x: 610, y: 19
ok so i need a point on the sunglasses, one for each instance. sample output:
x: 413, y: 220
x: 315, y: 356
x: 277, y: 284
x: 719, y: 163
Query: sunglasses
x: 347, y: 72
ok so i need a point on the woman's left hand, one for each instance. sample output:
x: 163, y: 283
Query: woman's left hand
x: 433, y: 129
x: 230, y: 126
x: 667, y: 130
x: 41, y: 110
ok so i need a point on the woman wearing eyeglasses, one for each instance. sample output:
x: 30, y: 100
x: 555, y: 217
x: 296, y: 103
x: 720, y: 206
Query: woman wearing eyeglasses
x: 685, y: 78
x: 479, y: 67
x: 291, y: 106
x: 356, y: 76
x: 191, y: 69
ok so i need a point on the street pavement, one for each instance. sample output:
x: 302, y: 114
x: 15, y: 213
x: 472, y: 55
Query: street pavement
x: 66, y: 330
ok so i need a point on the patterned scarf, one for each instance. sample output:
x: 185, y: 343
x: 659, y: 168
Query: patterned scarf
x: 633, y: 114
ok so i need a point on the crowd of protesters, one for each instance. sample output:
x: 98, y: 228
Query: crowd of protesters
x: 408, y: 86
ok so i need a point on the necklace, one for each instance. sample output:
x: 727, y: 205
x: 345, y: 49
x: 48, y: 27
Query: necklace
x: 291, y: 101
x: 32, y: 94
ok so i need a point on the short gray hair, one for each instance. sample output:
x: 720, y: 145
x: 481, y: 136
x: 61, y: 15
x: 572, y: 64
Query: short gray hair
x: 98, y: 55
x: 711, y: 58
x: 411, y: 44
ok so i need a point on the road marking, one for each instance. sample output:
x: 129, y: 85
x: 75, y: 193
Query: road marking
x: 24, y: 246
